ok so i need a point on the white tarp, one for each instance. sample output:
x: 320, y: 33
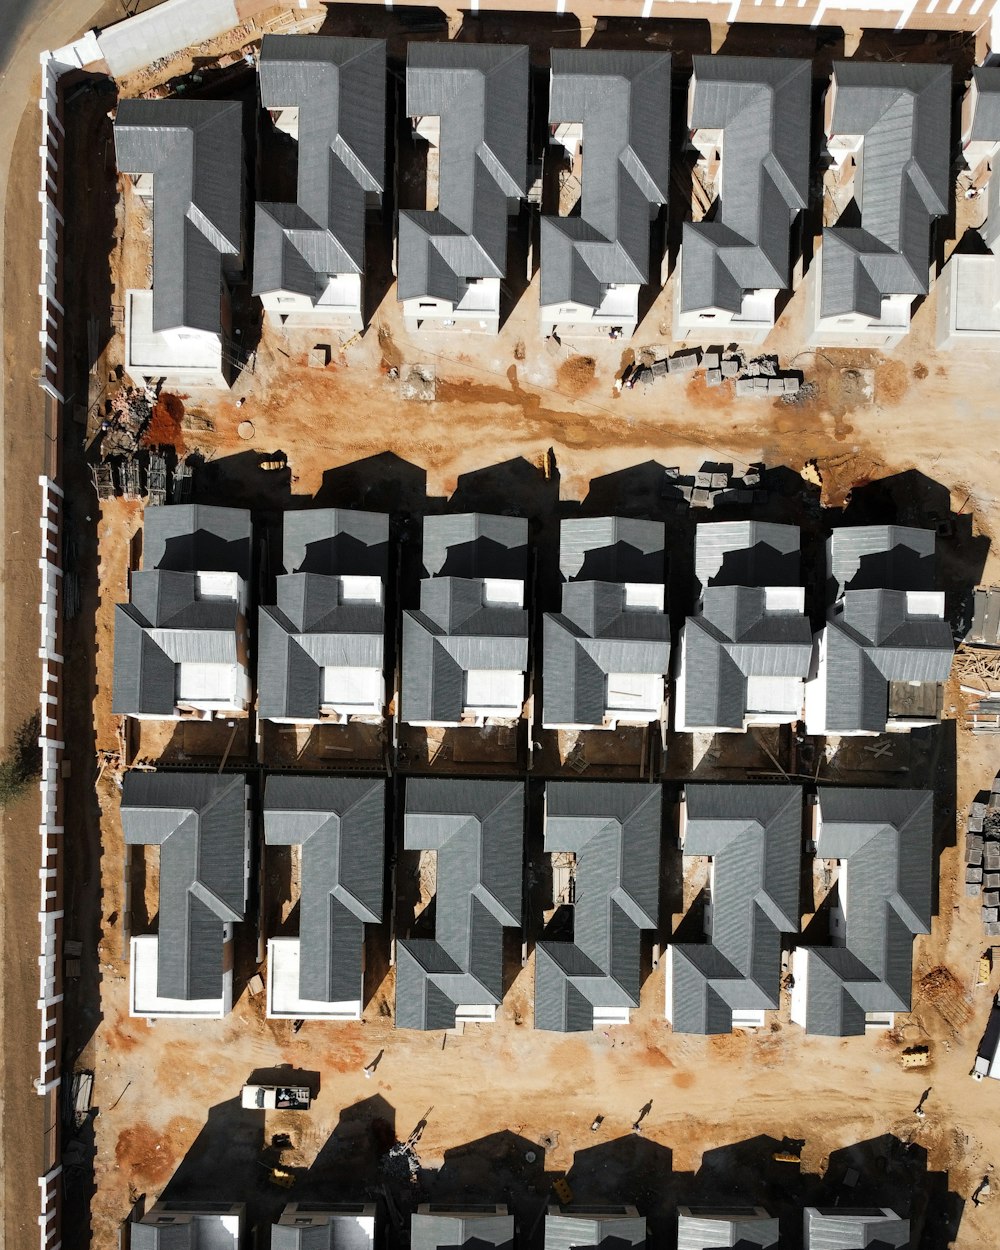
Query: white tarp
x: 158, y: 32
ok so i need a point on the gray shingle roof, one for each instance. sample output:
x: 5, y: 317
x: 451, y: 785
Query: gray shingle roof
x: 335, y: 542
x: 477, y: 830
x: 904, y: 114
x: 480, y: 93
x: 310, y: 628
x: 986, y: 115
x: 754, y: 836
x: 196, y: 536
x: 199, y: 822
x: 622, y: 100
x: 859, y: 1229
x: 872, y: 639
x: 735, y: 637
x: 605, y: 1231
x: 339, y: 1230
x: 746, y: 553
x: 445, y: 1231
x: 340, y: 824
x: 338, y: 86
x: 886, y: 839
x: 611, y: 549
x: 880, y: 557
x: 614, y: 830
x: 194, y: 150
x: 594, y: 636
x: 475, y: 544
x: 453, y: 631
x: 166, y: 622
x: 712, y: 1228
x: 760, y: 104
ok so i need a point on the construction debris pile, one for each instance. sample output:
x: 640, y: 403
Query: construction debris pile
x: 143, y: 476
x: 982, y: 856
x: 758, y: 377
x: 128, y: 412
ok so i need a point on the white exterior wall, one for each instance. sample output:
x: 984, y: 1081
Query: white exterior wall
x: 283, y: 1001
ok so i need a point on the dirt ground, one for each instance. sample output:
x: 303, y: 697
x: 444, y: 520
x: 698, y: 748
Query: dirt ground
x: 909, y: 434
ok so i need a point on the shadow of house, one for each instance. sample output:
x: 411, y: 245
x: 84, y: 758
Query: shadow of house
x: 335, y: 542
x: 493, y: 1168
x: 630, y: 1170
x: 350, y: 1163
x: 225, y: 1162
x: 382, y: 483
x: 746, y: 553
x: 635, y: 491
x: 515, y: 487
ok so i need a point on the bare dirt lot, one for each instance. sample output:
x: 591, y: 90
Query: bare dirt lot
x: 908, y: 435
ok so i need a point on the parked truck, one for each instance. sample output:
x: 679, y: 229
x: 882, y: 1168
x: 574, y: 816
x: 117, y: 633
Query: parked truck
x: 277, y: 1097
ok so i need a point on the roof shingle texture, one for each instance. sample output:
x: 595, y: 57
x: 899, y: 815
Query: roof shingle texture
x: 760, y: 104
x: 622, y: 100
x: 480, y: 93
x: 338, y: 86
x: 614, y: 830
x: 194, y: 150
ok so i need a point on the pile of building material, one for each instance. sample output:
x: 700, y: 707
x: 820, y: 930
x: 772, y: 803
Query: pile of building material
x: 714, y: 486
x: 761, y: 376
x: 646, y: 369
x: 982, y: 856
x: 978, y: 670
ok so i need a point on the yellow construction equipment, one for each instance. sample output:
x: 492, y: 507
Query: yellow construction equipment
x: 562, y: 1191
x: 786, y: 1156
x: 281, y: 1177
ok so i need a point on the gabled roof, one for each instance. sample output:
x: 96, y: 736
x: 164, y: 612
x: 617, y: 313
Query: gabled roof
x: 593, y: 636
x: 198, y: 1231
x: 568, y: 1230
x: 194, y: 150
x: 335, y: 541
x: 338, y: 86
x: 622, y: 100
x: 746, y: 553
x: 199, y: 822
x: 453, y: 631
x: 873, y: 638
x: 880, y: 557
x: 904, y: 114
x: 480, y: 93
x: 754, y: 836
x: 475, y: 544
x: 886, y: 839
x: 759, y: 103
x: 310, y: 628
x: 734, y: 637
x: 611, y: 549
x: 167, y: 622
x: 986, y: 115
x: 338, y: 1231
x: 614, y: 830
x: 194, y: 536
x: 477, y: 830
x: 841, y: 1228
x: 340, y: 824
x: 445, y: 1231
x: 713, y: 1228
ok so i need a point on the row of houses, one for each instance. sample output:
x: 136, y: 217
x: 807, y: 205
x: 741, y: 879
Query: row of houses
x: 608, y: 836
x: 888, y: 136
x: 746, y: 656
x: 177, y: 1226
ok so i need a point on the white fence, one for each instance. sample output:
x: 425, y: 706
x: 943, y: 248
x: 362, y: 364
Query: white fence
x: 50, y: 830
x: 50, y: 240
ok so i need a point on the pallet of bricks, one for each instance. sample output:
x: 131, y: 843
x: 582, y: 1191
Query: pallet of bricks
x: 982, y: 856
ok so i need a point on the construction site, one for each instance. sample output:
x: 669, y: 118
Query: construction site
x: 545, y: 426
